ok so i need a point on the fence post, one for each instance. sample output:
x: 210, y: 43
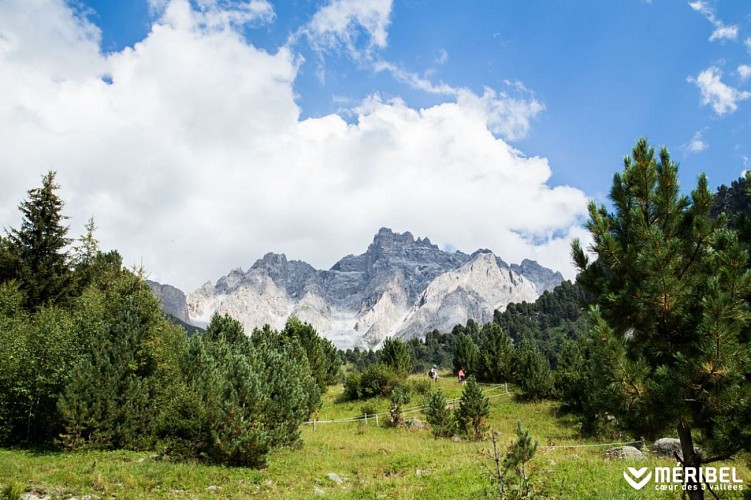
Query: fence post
x: 377, y: 424
x: 314, y: 425
x: 366, y: 419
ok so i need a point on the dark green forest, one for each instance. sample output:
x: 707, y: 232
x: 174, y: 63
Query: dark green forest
x: 654, y: 336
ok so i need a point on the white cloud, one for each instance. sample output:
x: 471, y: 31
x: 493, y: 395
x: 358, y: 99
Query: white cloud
x: 506, y: 116
x: 195, y: 160
x: 744, y: 71
x: 443, y: 56
x: 747, y: 43
x: 721, y: 32
x: 341, y: 23
x: 697, y: 144
x: 723, y: 98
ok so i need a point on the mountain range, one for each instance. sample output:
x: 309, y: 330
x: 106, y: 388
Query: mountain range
x: 400, y: 287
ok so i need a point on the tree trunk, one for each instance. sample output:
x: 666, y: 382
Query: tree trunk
x: 690, y: 459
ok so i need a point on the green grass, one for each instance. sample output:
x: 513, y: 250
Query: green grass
x: 373, y: 462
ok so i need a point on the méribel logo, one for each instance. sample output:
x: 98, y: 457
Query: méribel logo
x: 632, y: 477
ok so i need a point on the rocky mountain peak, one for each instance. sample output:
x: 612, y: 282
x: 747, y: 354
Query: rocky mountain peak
x: 545, y: 279
x: 294, y: 276
x: 401, y: 286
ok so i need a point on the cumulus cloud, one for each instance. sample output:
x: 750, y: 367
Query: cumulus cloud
x: 341, y: 24
x: 697, y: 144
x: 744, y: 71
x: 190, y: 152
x: 721, y: 31
x: 723, y: 98
x: 507, y: 116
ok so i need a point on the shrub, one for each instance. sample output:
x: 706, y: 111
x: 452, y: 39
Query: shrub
x: 399, y: 397
x: 369, y: 409
x: 378, y: 380
x: 351, y: 387
x: 421, y: 386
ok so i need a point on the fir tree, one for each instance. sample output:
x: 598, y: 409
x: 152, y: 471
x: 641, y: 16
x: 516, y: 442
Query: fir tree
x: 474, y: 408
x: 671, y: 284
x: 38, y: 249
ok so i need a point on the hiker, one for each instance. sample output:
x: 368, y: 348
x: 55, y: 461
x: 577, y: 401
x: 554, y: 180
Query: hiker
x: 433, y: 373
x: 462, y: 376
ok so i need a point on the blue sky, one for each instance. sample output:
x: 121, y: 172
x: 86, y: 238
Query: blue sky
x: 303, y: 126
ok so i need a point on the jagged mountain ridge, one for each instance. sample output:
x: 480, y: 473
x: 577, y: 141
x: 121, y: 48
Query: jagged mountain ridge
x: 401, y: 287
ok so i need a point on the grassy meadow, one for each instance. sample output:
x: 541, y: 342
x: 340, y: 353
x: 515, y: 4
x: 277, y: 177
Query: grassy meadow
x: 367, y: 461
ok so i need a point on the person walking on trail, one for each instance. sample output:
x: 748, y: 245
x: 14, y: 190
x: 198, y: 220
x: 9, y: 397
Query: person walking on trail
x: 462, y: 376
x: 433, y: 373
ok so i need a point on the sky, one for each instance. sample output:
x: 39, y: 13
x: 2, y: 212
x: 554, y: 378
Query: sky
x: 201, y: 134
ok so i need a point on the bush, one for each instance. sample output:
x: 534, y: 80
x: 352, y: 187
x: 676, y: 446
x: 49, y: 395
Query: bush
x: 351, y: 387
x: 369, y: 409
x: 378, y: 380
x: 421, y: 386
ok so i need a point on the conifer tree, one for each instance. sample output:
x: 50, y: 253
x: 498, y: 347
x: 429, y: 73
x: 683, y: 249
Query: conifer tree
x: 108, y: 402
x: 533, y: 374
x: 395, y: 355
x: 520, y: 451
x: 474, y: 408
x: 670, y: 285
x: 225, y: 327
x: 466, y: 355
x: 322, y: 356
x: 439, y: 416
x: 496, y: 355
x: 37, y: 250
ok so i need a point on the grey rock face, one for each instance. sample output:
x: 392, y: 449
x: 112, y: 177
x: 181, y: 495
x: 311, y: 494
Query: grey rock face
x: 400, y: 287
x: 544, y: 279
x: 173, y: 300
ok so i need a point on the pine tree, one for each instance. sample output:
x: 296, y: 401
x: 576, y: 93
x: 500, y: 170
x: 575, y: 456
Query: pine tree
x: 108, y: 403
x: 466, y: 355
x: 38, y: 248
x: 439, y: 416
x: 496, y: 355
x: 670, y: 285
x: 521, y: 451
x: 322, y: 356
x: 225, y: 328
x: 474, y: 408
x: 533, y: 373
x: 395, y: 355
